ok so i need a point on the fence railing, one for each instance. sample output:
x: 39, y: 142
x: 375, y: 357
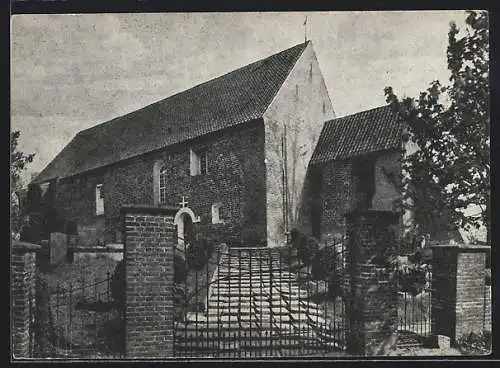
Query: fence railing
x: 77, y: 319
x: 414, y: 312
x: 254, y: 302
x: 414, y: 303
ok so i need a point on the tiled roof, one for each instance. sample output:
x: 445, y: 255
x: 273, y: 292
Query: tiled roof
x: 358, y: 134
x: 234, y: 98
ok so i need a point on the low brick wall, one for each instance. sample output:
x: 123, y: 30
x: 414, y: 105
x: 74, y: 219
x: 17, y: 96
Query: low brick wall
x: 23, y: 279
x: 459, y: 303
x: 112, y: 251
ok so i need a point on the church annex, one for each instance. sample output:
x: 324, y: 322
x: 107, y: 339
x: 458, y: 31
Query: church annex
x: 231, y: 153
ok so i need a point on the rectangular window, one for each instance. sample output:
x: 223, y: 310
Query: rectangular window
x: 199, y: 162
x: 217, y: 215
x: 364, y: 173
x: 99, y: 200
x: 203, y: 163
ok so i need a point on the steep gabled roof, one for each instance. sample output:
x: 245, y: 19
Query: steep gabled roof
x: 358, y: 134
x: 234, y: 98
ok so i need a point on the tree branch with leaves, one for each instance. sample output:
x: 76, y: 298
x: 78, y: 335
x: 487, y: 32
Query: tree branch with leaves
x: 18, y: 163
x: 450, y: 171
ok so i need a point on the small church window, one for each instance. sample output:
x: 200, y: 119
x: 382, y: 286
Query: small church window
x: 99, y: 200
x: 364, y: 171
x: 203, y: 162
x: 217, y: 216
x: 163, y: 184
x: 199, y: 162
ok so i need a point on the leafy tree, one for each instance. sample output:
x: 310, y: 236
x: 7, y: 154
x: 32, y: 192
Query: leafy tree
x: 18, y: 163
x: 450, y: 125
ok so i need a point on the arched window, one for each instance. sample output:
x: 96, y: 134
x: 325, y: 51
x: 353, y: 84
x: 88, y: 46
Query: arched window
x: 163, y: 184
x: 159, y: 166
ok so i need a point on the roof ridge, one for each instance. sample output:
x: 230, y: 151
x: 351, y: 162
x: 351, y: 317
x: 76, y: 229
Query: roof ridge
x: 358, y: 113
x: 207, y: 107
x: 357, y: 134
x: 198, y: 85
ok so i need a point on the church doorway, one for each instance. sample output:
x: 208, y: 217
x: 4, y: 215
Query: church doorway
x: 184, y: 222
x: 185, y: 228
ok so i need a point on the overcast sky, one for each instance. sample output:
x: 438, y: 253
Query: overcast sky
x: 70, y: 72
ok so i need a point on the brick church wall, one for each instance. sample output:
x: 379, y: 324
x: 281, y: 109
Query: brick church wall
x: 236, y: 177
x: 339, y: 191
x: 336, y: 198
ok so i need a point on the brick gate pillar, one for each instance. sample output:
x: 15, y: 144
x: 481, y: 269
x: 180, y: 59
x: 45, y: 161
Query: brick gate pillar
x: 372, y: 246
x: 458, y: 283
x: 23, y: 279
x: 149, y: 241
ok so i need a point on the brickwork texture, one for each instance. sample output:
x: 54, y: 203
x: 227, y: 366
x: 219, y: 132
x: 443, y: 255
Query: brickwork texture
x: 23, y: 278
x: 236, y: 178
x: 372, y: 312
x: 460, y: 296
x: 149, y: 246
x: 341, y: 191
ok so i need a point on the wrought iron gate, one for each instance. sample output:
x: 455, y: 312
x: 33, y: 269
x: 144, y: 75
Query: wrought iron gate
x: 258, y: 302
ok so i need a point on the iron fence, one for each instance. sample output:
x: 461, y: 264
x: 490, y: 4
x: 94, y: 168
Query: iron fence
x: 414, y: 314
x: 258, y: 302
x: 414, y: 304
x: 77, y: 319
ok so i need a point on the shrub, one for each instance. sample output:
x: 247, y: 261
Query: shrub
x: 197, y: 254
x: 412, y: 278
x: 32, y: 228
x: 327, y: 265
x: 179, y: 301
x: 208, y: 243
x: 254, y: 236
x: 475, y: 344
x: 326, y: 261
x: 307, y: 246
x: 180, y: 268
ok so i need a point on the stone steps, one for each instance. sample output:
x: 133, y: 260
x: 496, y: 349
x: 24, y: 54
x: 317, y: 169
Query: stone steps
x: 251, y: 305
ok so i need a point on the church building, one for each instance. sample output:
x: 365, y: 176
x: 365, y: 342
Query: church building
x: 356, y: 165
x: 231, y: 153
